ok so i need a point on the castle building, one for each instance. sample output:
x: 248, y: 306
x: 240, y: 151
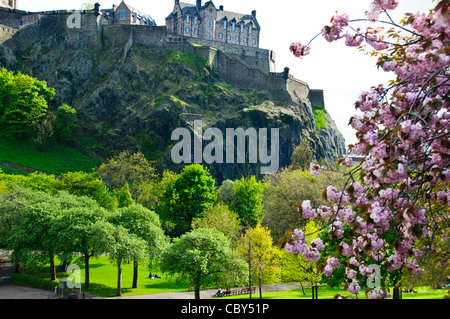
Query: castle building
x: 211, y: 23
x: 126, y: 14
x: 10, y: 4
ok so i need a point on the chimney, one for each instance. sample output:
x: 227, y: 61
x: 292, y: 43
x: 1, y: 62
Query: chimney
x: 177, y: 2
x: 199, y: 4
x: 254, y: 14
x: 221, y: 8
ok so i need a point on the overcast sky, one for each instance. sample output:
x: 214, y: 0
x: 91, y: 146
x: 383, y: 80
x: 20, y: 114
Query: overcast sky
x: 340, y: 71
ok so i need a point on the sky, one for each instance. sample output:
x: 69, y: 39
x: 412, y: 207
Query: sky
x: 342, y: 72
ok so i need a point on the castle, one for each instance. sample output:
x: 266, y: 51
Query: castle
x: 208, y: 22
x: 228, y: 41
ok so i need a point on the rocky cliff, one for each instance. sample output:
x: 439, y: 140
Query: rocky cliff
x: 132, y: 97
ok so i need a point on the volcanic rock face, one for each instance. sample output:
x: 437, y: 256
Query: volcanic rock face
x: 132, y: 97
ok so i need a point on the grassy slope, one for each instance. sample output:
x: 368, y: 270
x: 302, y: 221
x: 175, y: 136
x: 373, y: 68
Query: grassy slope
x: 57, y: 159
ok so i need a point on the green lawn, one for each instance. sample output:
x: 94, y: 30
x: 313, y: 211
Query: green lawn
x: 329, y: 293
x: 56, y: 160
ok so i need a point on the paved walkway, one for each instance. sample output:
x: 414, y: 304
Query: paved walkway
x: 18, y: 292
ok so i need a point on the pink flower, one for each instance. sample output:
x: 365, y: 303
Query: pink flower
x: 327, y: 271
x: 299, y: 50
x: 353, y: 288
x: 340, y: 21
x: 332, y: 33
x: 348, y: 162
x: 353, y: 40
x: 315, y: 169
x: 307, y: 210
x: 350, y: 273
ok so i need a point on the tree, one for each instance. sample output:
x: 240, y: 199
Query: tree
x: 73, y: 229
x: 119, y: 244
x: 202, y: 257
x: 43, y: 131
x: 255, y: 246
x: 31, y: 239
x: 402, y: 182
x: 299, y: 269
x: 66, y: 123
x: 285, y: 190
x: 189, y: 197
x: 226, y: 192
x: 23, y: 103
x: 12, y: 204
x: 124, y: 197
x: 302, y: 156
x: 146, y: 225
x: 126, y: 168
x: 248, y: 201
x: 87, y: 184
x: 221, y: 218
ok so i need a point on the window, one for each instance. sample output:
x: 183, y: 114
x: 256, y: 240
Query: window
x: 195, y: 20
x: 233, y: 25
x: 187, y: 30
x: 210, y: 24
x: 254, y: 41
x: 228, y: 37
x: 224, y: 25
x: 245, y: 40
x: 237, y: 38
x: 250, y: 29
x: 188, y: 19
x: 122, y: 15
x: 220, y: 35
x: 242, y: 27
x: 195, y: 31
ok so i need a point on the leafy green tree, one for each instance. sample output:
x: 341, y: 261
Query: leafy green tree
x: 87, y: 184
x: 73, y: 229
x: 32, y: 237
x: 43, y: 131
x: 145, y: 224
x: 119, y: 244
x: 124, y: 197
x: 66, y: 123
x: 150, y: 193
x: 226, y: 192
x: 189, y: 197
x: 126, y: 168
x: 221, y: 218
x: 23, y: 103
x: 248, y: 201
x: 302, y: 156
x: 202, y: 257
x: 12, y: 204
x: 286, y: 190
x: 256, y: 247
